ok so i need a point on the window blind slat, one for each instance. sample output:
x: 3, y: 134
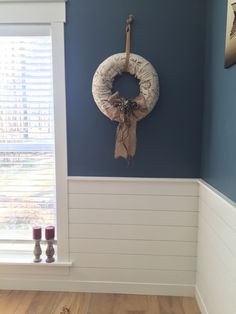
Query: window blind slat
x: 27, y: 161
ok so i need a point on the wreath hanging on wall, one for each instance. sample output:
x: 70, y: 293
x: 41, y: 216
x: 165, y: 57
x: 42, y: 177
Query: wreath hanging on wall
x: 118, y: 107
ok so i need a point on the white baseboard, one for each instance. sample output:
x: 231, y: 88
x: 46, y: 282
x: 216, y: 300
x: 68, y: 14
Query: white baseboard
x: 97, y: 287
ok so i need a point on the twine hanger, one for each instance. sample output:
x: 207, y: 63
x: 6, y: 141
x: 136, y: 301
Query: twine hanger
x: 128, y: 39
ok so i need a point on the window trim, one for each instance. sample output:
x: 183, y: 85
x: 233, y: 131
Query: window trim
x: 57, y: 30
x: 31, y: 11
x: 51, y: 13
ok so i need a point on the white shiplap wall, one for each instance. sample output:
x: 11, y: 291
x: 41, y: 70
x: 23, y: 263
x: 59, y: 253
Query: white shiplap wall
x: 216, y: 267
x: 141, y: 233
x: 125, y: 236
x: 140, y: 236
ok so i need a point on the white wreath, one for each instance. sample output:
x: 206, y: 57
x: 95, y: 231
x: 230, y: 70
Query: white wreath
x: 113, y: 66
x: 119, y: 108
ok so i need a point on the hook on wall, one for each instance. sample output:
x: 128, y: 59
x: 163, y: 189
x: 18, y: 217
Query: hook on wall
x: 130, y: 19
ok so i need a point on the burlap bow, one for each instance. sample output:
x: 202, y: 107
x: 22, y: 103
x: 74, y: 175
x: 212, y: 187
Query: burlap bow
x: 127, y: 112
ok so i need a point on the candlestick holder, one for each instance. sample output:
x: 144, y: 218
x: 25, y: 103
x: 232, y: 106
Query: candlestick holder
x: 37, y: 251
x: 50, y: 251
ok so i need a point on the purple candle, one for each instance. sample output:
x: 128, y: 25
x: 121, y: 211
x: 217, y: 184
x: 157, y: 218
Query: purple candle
x: 37, y: 233
x: 49, y: 233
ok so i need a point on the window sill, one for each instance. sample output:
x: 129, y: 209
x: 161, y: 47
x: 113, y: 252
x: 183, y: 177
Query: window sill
x: 23, y: 264
x: 20, y: 253
x: 26, y: 261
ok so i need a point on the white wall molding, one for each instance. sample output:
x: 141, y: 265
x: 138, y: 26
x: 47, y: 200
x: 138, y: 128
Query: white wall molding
x: 131, y: 179
x: 131, y: 185
x: 216, y: 271
x: 59, y: 95
x: 32, y: 12
x: 218, y: 195
x: 126, y: 235
x: 134, y: 235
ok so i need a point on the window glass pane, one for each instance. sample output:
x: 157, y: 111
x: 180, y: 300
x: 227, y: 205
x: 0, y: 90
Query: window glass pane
x: 27, y: 160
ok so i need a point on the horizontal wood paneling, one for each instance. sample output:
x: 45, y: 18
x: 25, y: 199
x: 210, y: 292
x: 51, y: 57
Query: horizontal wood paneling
x: 133, y: 217
x: 216, y: 271
x: 108, y: 274
x: 213, y: 280
x: 224, y: 255
x: 136, y: 186
x: 188, y: 234
x: 167, y: 248
x: 133, y: 230
x: 136, y: 202
x: 222, y: 230
x: 215, y: 286
x: 126, y: 236
x: 222, y: 207
x: 134, y: 261
x: 133, y: 275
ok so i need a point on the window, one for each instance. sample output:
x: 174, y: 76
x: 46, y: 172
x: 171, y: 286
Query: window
x: 33, y: 154
x: 27, y: 158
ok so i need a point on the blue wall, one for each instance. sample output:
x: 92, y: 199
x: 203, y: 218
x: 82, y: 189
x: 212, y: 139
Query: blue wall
x: 219, y: 135
x: 170, y: 34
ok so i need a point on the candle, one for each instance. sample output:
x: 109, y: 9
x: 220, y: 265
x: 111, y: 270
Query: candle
x: 49, y: 233
x: 37, y: 233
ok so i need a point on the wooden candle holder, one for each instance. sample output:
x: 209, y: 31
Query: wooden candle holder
x: 37, y: 251
x: 50, y: 251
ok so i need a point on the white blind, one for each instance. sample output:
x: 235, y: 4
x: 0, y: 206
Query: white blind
x: 27, y: 161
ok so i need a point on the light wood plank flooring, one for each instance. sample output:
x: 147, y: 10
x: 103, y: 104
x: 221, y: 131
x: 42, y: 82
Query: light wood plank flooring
x: 33, y: 302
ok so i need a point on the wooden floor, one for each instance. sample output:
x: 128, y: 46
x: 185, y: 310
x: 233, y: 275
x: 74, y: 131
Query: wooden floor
x: 24, y: 302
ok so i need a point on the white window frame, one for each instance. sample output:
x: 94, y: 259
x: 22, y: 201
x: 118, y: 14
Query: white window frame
x: 52, y: 13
